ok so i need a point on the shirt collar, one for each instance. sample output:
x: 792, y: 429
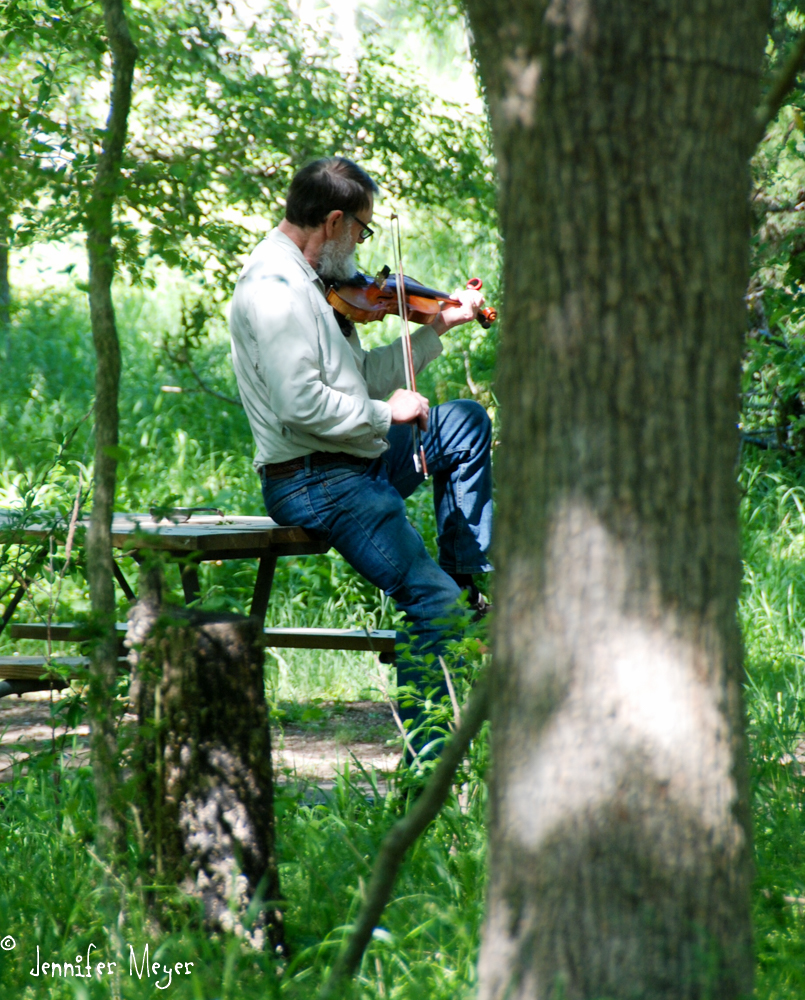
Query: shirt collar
x: 277, y: 236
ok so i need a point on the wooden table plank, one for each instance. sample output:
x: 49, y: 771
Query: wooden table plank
x: 59, y: 631
x: 381, y: 641
x: 211, y: 537
x: 203, y: 534
x: 33, y: 667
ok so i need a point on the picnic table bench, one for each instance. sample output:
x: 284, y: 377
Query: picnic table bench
x: 190, y: 542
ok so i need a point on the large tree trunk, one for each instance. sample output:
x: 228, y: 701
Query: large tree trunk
x: 620, y: 842
x: 107, y: 376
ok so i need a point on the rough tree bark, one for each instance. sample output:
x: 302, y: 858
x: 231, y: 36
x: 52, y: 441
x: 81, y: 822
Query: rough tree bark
x: 620, y: 842
x: 203, y: 760
x: 100, y: 250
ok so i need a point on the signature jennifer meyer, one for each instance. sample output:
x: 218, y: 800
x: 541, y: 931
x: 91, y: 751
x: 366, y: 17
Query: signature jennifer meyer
x: 84, y: 968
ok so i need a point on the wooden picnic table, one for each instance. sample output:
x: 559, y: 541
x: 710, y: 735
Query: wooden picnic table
x: 201, y: 538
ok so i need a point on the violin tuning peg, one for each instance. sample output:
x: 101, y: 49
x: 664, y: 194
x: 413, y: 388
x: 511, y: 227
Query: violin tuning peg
x: 486, y: 317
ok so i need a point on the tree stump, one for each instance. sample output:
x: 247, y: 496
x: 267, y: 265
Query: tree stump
x: 203, y: 762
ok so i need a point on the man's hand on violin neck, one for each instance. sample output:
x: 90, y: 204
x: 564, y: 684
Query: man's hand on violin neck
x: 407, y: 407
x: 450, y: 316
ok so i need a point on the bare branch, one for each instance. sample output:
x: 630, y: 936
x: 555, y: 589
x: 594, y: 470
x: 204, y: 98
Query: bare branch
x: 471, y: 385
x: 771, y: 104
x: 212, y: 392
x: 402, y: 835
x: 398, y: 721
x: 452, y: 692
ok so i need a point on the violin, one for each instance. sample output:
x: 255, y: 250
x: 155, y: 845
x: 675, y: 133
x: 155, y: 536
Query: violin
x: 363, y: 299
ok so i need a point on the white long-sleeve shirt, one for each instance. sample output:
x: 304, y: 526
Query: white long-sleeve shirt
x: 304, y: 385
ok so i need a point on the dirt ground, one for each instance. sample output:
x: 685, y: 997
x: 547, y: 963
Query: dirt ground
x: 309, y: 741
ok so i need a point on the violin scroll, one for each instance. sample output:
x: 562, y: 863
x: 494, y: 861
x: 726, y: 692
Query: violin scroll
x: 486, y: 317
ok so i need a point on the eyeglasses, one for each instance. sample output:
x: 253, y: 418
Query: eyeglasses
x: 366, y: 232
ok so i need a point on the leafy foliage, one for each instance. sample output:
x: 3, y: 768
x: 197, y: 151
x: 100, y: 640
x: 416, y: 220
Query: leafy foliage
x: 223, y: 115
x: 773, y: 376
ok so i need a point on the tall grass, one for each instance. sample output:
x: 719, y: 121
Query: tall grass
x: 51, y: 897
x: 772, y: 618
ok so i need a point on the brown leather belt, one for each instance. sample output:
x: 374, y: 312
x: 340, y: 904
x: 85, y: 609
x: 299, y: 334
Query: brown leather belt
x: 282, y: 470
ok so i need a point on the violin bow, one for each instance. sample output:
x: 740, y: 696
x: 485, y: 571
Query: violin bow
x: 420, y: 464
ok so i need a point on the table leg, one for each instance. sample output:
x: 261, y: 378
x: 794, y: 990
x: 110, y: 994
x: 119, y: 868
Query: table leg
x: 25, y: 583
x: 190, y: 582
x: 12, y: 604
x: 262, y: 586
x: 124, y: 583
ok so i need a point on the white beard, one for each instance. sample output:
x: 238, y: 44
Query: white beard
x: 337, y: 259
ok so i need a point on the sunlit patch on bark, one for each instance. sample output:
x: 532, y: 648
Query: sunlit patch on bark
x: 519, y: 101
x: 573, y: 16
x: 616, y: 821
x: 633, y: 686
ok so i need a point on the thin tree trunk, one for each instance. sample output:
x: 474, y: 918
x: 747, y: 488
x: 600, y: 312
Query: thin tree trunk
x: 619, y: 828
x: 107, y: 348
x: 5, y: 286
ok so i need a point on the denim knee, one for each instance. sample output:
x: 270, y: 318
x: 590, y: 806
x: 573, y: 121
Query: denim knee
x: 475, y: 421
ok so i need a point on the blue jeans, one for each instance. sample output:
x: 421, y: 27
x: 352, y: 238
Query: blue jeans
x: 360, y: 510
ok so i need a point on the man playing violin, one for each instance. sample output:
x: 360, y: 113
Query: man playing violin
x: 332, y: 425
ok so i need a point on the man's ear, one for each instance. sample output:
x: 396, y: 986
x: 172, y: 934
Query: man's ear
x: 333, y: 223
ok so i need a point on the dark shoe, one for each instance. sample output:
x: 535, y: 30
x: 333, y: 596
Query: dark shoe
x: 479, y: 605
x: 476, y: 601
